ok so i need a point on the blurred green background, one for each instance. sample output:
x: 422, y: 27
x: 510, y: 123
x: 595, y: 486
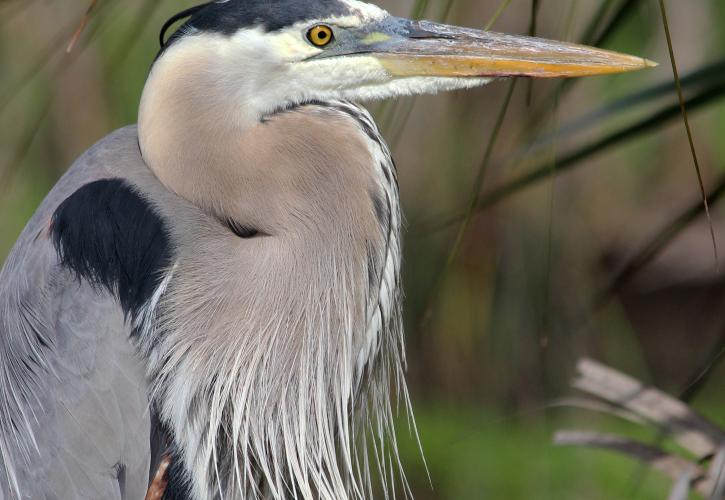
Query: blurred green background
x: 602, y: 252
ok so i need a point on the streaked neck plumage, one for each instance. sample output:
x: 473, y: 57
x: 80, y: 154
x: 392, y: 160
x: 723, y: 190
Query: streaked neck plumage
x: 295, y: 336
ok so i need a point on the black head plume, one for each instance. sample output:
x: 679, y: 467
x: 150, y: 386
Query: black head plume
x: 177, y: 17
x: 228, y: 16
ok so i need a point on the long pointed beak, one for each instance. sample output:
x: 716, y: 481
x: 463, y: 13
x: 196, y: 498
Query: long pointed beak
x: 410, y: 48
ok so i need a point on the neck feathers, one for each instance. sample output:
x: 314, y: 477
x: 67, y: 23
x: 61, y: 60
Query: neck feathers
x: 273, y: 356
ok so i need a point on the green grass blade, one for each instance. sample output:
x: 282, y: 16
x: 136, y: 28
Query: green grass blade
x: 595, y: 21
x: 23, y: 145
x: 500, y: 10
x: 589, y: 38
x: 657, y: 244
x: 688, y: 128
x: 573, y: 160
x: 144, y: 16
x: 477, y: 187
x: 619, y: 17
x: 709, y: 75
x: 533, y: 22
x: 474, y: 200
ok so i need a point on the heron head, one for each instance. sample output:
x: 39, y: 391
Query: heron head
x: 272, y: 54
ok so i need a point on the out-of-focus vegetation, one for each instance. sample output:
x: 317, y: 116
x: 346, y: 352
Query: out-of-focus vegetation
x: 567, y: 254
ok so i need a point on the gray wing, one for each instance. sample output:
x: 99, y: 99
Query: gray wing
x: 74, y: 416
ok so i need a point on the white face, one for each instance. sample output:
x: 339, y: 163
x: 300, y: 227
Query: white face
x: 365, y: 55
x: 265, y: 71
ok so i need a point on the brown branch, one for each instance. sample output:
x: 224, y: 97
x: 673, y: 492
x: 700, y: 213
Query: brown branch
x: 160, y: 482
x: 692, y: 431
x: 672, y: 465
x: 81, y: 26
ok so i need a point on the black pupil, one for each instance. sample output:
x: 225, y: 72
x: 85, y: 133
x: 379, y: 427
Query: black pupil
x: 323, y: 34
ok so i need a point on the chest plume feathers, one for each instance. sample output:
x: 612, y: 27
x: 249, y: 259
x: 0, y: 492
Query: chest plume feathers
x: 307, y: 167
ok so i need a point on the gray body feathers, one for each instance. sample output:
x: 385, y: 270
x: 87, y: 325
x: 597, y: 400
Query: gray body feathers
x: 74, y: 421
x: 267, y: 365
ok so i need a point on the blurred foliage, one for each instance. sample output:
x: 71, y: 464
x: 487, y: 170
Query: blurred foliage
x: 493, y: 334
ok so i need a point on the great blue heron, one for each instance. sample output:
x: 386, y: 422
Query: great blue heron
x: 221, y: 283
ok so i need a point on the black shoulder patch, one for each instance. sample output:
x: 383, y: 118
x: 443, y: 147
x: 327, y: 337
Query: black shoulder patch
x: 107, y: 234
x: 229, y: 16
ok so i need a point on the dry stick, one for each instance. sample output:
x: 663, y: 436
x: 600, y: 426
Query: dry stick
x: 672, y: 465
x: 686, y: 120
x: 598, y: 406
x: 690, y: 430
x: 79, y: 30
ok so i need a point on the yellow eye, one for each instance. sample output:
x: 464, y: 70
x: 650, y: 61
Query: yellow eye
x: 320, y: 35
